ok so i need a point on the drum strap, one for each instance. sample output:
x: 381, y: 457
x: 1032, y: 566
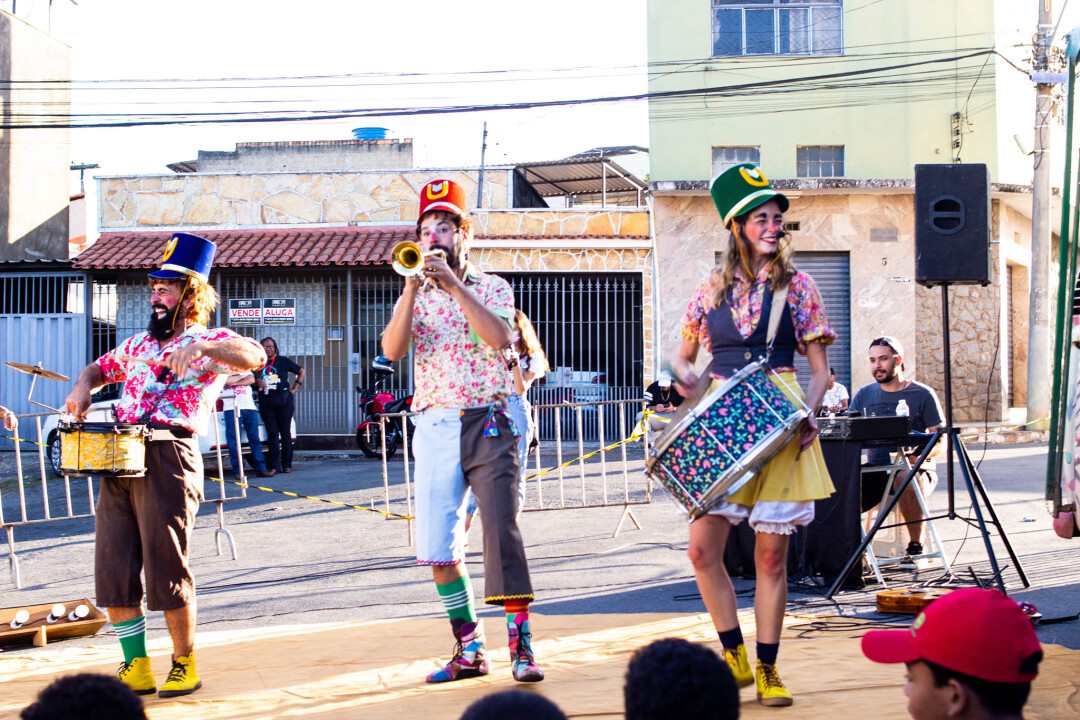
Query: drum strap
x: 776, y: 311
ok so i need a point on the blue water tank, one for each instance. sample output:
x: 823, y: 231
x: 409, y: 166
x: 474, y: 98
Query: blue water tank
x: 370, y: 133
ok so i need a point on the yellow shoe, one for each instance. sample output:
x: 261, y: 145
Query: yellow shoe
x: 137, y: 675
x: 770, y: 689
x: 740, y: 665
x: 183, y: 679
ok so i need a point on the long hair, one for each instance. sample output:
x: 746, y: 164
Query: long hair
x: 781, y: 268
x: 204, y: 298
x: 528, y: 344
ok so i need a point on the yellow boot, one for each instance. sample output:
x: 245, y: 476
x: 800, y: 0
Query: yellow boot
x: 740, y: 665
x: 183, y: 679
x: 770, y: 689
x: 137, y: 675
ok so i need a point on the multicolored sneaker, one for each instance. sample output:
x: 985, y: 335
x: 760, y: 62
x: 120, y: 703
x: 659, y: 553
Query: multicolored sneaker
x: 183, y: 679
x: 138, y: 676
x: 739, y: 663
x: 770, y: 688
x: 522, y: 662
x: 469, y: 658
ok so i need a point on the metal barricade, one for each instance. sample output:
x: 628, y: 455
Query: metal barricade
x: 621, y: 487
x: 74, y: 507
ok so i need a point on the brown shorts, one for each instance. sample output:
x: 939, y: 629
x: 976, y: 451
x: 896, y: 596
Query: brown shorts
x: 144, y: 523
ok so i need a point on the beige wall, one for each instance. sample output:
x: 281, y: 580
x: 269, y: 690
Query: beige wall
x: 34, y: 164
x: 211, y: 200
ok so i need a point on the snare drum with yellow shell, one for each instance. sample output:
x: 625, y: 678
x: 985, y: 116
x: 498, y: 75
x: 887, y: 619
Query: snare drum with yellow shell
x: 103, y: 449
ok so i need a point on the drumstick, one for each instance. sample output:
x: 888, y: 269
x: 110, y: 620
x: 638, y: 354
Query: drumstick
x: 145, y: 360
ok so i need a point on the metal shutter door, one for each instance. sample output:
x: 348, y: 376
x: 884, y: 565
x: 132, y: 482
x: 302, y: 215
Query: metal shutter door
x: 832, y: 273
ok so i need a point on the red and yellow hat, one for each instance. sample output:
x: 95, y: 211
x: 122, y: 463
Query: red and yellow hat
x: 443, y: 195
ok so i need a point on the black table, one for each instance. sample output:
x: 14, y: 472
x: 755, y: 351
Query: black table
x: 824, y: 546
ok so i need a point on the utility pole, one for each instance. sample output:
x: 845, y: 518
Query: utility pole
x: 480, y: 182
x: 1038, y: 371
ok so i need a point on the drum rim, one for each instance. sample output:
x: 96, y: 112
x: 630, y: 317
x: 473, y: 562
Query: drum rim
x: 102, y: 428
x: 672, y: 434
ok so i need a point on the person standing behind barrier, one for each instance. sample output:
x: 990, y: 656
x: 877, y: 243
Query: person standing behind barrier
x: 172, y: 375
x: 10, y: 421
x: 244, y: 405
x: 528, y: 364
x: 458, y: 321
x: 728, y: 314
x: 276, y: 404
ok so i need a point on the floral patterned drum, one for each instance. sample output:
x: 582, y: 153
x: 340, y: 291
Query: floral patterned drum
x: 103, y: 449
x: 722, y: 441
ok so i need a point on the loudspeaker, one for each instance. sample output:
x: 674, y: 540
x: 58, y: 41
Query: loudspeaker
x: 952, y: 224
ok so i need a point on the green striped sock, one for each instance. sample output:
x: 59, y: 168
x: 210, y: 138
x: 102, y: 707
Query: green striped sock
x: 132, y: 636
x: 457, y: 598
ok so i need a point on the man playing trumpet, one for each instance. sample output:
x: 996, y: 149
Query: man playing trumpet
x: 459, y: 321
x: 172, y: 375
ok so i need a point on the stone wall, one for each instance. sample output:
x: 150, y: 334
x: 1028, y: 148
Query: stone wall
x: 566, y: 223
x: 309, y: 156
x: 200, y: 200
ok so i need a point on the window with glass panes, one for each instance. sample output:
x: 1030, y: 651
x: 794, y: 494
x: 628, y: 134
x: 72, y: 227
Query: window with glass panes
x: 777, y: 27
x: 726, y: 157
x: 812, y: 161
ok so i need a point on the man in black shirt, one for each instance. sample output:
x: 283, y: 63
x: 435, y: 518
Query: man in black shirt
x: 883, y: 398
x: 661, y: 396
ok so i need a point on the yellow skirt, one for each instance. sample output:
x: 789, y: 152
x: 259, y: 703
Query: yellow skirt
x: 790, y: 475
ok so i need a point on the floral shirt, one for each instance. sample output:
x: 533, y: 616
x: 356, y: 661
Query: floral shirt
x: 187, y: 403
x: 807, y: 309
x: 453, y: 366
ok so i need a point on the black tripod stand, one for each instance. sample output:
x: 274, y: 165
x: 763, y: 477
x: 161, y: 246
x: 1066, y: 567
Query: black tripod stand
x: 975, y: 486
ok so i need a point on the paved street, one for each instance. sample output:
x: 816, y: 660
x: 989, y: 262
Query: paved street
x: 302, y: 561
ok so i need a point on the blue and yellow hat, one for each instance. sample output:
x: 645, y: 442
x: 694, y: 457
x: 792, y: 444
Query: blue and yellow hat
x: 186, y: 255
x: 742, y: 188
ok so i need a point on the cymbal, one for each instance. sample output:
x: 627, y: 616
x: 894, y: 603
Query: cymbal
x: 37, y: 370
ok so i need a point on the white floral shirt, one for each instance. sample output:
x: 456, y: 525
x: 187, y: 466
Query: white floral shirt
x: 453, y: 366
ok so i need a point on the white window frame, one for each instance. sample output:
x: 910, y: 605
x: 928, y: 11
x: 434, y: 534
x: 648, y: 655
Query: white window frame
x: 777, y: 6
x: 802, y: 165
x: 719, y: 166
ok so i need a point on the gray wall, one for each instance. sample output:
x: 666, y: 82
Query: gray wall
x: 310, y: 156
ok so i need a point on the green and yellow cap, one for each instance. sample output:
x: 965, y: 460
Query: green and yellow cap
x: 742, y: 188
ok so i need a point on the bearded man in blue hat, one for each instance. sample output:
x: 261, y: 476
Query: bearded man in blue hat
x: 172, y: 375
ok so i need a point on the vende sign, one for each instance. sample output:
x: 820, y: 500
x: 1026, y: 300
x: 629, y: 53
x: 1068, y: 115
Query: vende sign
x: 245, y: 312
x: 279, y: 311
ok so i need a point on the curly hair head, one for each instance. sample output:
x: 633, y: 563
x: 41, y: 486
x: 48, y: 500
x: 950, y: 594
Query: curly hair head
x: 676, y: 678
x: 516, y: 704
x: 204, y: 298
x: 86, y: 696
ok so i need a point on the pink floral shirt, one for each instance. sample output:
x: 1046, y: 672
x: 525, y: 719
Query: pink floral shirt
x: 453, y: 366
x: 187, y: 403
x: 807, y: 309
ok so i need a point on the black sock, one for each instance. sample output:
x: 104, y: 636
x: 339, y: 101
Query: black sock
x: 767, y: 652
x: 731, y: 639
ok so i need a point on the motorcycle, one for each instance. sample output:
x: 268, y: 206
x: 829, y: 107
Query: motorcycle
x: 375, y: 402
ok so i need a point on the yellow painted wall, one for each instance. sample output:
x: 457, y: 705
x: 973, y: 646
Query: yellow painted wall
x: 885, y: 130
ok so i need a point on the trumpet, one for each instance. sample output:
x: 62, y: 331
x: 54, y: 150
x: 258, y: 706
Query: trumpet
x: 408, y: 259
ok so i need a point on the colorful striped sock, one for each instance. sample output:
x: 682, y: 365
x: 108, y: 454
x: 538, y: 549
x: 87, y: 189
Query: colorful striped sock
x: 517, y: 611
x: 132, y: 636
x: 457, y: 598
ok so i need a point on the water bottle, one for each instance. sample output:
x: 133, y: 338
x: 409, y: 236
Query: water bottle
x: 902, y: 409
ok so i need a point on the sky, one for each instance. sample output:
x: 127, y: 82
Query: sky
x: 405, y: 53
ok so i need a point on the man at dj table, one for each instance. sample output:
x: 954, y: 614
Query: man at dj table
x: 892, y: 395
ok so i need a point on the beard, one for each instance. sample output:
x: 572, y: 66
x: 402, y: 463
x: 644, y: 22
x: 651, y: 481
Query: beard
x: 453, y: 259
x: 162, y: 328
x: 885, y: 376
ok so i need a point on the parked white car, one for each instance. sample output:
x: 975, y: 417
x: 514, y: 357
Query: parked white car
x: 101, y: 411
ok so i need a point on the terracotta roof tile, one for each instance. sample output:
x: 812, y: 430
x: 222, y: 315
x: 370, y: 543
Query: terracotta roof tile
x: 266, y: 247
x: 275, y: 247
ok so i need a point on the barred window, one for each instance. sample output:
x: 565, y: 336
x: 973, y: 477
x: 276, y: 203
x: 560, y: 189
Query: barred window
x: 819, y: 161
x: 725, y: 157
x: 777, y: 27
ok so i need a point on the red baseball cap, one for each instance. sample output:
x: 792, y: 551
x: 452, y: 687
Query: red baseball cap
x: 443, y: 195
x: 981, y: 633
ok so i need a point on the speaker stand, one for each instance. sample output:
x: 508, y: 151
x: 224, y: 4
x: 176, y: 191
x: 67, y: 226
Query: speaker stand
x: 976, y: 487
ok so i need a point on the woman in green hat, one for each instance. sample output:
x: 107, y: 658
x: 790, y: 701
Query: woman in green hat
x: 728, y: 316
